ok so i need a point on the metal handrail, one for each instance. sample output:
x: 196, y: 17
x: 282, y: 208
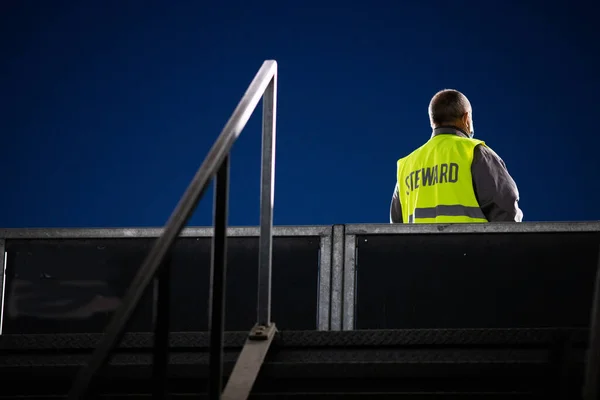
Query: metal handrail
x: 216, y: 162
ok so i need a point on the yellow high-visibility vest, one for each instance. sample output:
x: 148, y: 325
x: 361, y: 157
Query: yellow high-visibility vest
x: 435, y: 183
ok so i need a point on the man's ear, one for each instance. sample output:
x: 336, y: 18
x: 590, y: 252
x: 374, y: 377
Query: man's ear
x: 465, y: 118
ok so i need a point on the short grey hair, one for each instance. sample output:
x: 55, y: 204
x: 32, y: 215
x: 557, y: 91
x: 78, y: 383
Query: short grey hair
x: 447, y: 106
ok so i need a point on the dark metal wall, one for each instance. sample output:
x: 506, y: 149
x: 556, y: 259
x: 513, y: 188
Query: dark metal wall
x: 495, y: 280
x: 73, y: 285
x: 327, y: 278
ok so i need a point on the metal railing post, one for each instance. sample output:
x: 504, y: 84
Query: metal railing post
x: 218, y: 279
x: 162, y: 304
x: 261, y: 336
x: 267, y: 197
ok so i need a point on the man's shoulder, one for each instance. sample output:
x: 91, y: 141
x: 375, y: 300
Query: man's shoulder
x: 485, y: 156
x: 485, y: 150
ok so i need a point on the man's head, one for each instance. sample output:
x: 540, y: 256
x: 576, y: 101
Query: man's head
x: 451, y: 108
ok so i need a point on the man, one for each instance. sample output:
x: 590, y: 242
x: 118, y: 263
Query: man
x: 453, y: 178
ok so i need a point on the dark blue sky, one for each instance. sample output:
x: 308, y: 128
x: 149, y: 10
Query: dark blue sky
x: 108, y: 108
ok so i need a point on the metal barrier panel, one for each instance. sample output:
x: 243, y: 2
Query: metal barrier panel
x: 469, y: 276
x: 72, y: 280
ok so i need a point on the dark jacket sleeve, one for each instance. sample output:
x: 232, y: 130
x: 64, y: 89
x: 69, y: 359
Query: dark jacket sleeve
x: 495, y: 189
x: 395, y: 208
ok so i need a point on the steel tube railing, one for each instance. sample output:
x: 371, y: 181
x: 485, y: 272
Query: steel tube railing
x: 267, y: 194
x: 162, y: 305
x: 265, y: 78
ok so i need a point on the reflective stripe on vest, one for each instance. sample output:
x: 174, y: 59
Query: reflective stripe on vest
x: 435, y: 183
x: 446, y: 211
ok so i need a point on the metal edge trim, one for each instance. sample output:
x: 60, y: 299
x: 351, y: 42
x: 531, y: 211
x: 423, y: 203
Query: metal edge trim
x: 349, y: 282
x: 118, y: 233
x: 337, y: 277
x: 324, y: 299
x: 525, y: 227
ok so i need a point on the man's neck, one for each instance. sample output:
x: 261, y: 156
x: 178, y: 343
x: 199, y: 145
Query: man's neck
x: 449, y: 130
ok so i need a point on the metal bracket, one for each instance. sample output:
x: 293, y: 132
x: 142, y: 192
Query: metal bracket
x: 249, y: 362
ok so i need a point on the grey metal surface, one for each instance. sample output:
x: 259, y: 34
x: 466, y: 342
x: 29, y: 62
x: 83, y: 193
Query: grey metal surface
x: 267, y: 198
x: 337, y: 278
x: 117, y: 233
x: 302, y: 230
x: 324, y: 300
x: 525, y: 227
x: 349, y: 282
x: 2, y: 281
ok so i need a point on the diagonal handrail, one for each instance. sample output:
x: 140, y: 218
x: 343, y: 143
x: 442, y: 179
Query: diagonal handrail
x: 264, y: 83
